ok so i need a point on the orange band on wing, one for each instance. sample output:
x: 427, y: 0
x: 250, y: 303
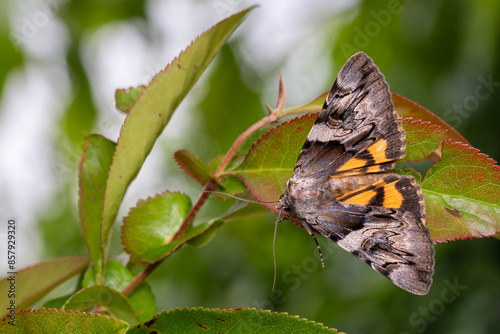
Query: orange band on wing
x: 374, y: 155
x: 352, y: 164
x: 393, y: 197
x: 377, y: 151
x: 379, y: 194
x: 363, y: 198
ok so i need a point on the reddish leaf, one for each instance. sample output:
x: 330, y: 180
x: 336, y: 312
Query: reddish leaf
x: 57, y: 321
x: 110, y: 299
x: 270, y: 161
x: 422, y: 138
x: 193, y: 166
x: 32, y: 283
x: 403, y: 106
x: 470, y: 209
x: 462, y: 194
x: 407, y: 108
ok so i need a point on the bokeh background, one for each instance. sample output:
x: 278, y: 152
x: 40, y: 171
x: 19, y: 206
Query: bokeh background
x: 61, y: 61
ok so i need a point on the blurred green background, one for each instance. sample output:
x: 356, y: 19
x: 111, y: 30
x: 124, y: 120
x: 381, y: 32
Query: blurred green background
x: 61, y: 61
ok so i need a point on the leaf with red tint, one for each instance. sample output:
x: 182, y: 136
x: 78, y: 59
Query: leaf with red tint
x: 34, y: 282
x: 193, y: 166
x: 422, y: 138
x: 407, y: 108
x: 270, y: 161
x: 313, y: 106
x: 58, y: 321
x: 462, y: 191
x: 462, y: 194
x: 403, y: 106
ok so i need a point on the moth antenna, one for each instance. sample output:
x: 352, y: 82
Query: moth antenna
x: 278, y: 220
x: 239, y: 198
x: 274, y: 246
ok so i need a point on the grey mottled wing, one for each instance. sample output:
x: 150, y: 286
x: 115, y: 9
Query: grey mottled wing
x: 393, y: 242
x: 357, y: 114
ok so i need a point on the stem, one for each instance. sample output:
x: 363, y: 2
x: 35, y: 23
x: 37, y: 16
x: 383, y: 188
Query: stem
x: 273, y: 116
x: 141, y: 277
x: 239, y: 141
x: 211, y: 185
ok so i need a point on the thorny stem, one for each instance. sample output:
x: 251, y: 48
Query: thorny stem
x: 273, y: 116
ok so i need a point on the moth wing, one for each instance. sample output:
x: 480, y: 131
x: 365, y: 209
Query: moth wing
x: 393, y: 242
x: 357, y: 131
x: 382, y: 190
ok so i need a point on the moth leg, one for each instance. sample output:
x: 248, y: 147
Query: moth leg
x: 312, y: 233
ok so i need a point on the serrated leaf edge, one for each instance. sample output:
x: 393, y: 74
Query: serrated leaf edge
x: 108, y: 222
x: 60, y: 311
x: 490, y: 163
x: 266, y: 312
x: 267, y: 134
x: 141, y: 202
x: 187, y: 172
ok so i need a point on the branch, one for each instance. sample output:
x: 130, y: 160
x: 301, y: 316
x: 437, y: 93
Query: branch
x: 273, y: 116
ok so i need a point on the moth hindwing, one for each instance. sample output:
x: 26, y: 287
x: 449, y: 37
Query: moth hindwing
x: 340, y: 187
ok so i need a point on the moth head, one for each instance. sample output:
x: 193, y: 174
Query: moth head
x: 283, y: 205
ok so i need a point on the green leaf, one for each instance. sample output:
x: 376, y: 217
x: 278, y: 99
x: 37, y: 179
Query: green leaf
x: 202, y: 239
x: 148, y: 229
x: 125, y: 98
x: 313, y: 106
x: 57, y: 303
x: 193, y: 166
x: 407, y: 108
x: 58, y: 321
x: 34, y: 282
x: 410, y: 172
x: 151, y: 255
x: 106, y: 297
x: 230, y: 185
x: 246, y: 210
x: 422, y: 138
x: 117, y: 277
x: 92, y: 176
x: 152, y: 111
x: 462, y: 194
x: 202, y: 320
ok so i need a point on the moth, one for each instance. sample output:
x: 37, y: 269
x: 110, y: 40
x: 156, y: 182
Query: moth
x: 340, y: 187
